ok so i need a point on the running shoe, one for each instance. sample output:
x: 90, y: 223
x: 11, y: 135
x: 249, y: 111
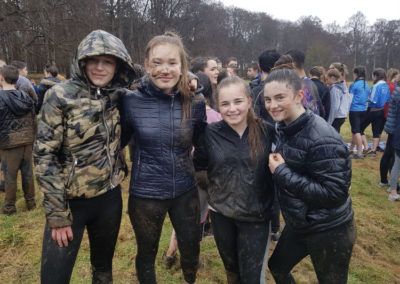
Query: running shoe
x: 394, y: 197
x: 356, y: 156
x: 367, y: 151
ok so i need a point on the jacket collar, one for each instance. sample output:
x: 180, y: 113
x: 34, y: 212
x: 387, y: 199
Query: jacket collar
x: 296, y: 125
x: 229, y: 130
x: 148, y: 86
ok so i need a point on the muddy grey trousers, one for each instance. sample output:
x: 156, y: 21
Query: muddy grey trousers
x: 13, y: 160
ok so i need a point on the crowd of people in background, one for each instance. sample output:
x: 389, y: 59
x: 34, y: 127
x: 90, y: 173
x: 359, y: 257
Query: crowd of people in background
x: 221, y: 155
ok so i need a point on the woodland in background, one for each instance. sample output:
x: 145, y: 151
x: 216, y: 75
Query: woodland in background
x: 48, y: 31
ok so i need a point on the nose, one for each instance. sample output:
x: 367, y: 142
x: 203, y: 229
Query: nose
x: 100, y: 65
x: 272, y: 104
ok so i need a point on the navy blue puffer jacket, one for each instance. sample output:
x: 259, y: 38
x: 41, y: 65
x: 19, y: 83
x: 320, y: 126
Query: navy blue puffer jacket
x: 313, y: 183
x: 162, y: 166
x: 390, y: 125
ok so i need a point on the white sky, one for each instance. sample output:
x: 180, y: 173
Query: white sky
x: 328, y: 11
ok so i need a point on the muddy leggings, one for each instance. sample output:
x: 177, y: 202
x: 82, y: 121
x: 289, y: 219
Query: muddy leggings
x: 147, y: 218
x: 242, y: 247
x: 101, y: 216
x: 330, y: 253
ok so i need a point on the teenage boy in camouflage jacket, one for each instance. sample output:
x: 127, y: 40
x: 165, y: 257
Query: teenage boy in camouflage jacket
x: 78, y: 162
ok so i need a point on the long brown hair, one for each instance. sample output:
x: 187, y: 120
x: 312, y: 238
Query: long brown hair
x: 183, y: 83
x: 255, y: 124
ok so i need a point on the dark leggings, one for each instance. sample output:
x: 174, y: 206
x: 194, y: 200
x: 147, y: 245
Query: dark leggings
x: 102, y: 217
x: 147, y: 218
x: 337, y: 123
x: 241, y: 246
x: 275, y: 216
x: 387, y: 159
x: 377, y: 119
x: 330, y: 253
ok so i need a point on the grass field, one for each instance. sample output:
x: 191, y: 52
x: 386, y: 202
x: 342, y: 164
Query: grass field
x: 376, y: 256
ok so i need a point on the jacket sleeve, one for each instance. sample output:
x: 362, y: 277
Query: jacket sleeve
x: 124, y: 109
x: 335, y: 103
x: 200, y: 123
x: 41, y: 91
x: 328, y: 180
x: 48, y: 168
x: 327, y: 103
x: 200, y: 155
x: 393, y: 105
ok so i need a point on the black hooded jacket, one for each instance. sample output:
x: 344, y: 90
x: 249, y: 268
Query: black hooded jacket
x: 236, y: 189
x: 16, y: 119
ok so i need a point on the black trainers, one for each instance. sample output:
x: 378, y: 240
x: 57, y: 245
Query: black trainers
x: 9, y: 210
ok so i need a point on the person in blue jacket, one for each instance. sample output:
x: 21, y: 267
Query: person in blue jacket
x: 166, y: 120
x: 378, y: 97
x: 358, y: 108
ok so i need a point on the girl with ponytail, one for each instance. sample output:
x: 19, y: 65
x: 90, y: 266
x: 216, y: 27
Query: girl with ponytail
x: 165, y: 120
x: 240, y: 191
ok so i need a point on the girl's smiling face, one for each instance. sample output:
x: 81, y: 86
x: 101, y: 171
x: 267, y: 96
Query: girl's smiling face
x: 282, y: 102
x: 164, y: 66
x: 234, y: 105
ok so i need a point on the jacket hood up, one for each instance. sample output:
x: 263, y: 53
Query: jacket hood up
x: 97, y: 43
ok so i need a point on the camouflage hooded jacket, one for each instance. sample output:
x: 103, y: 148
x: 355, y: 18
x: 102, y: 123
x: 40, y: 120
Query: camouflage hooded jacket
x: 78, y: 140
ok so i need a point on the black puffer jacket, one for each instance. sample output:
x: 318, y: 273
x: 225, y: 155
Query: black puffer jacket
x: 236, y: 189
x: 162, y: 165
x: 313, y: 183
x: 324, y: 94
x: 16, y: 119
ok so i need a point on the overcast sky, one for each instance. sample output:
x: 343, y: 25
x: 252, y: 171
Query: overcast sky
x: 328, y: 11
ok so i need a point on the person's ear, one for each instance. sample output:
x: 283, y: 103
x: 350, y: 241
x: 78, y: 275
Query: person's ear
x: 147, y: 66
x: 300, y: 96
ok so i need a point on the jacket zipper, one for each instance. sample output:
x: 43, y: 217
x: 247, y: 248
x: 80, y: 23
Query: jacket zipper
x: 172, y: 144
x: 71, y: 173
x: 107, y: 138
x: 138, y: 164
